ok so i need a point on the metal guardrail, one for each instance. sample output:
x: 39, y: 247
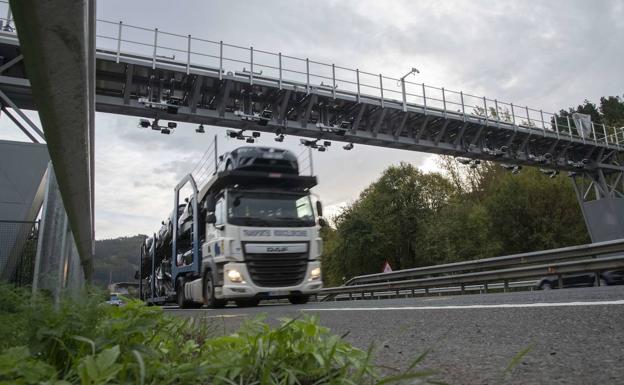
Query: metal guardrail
x: 567, y: 260
x: 482, y: 288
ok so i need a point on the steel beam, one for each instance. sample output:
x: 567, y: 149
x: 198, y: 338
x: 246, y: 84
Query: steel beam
x: 57, y: 43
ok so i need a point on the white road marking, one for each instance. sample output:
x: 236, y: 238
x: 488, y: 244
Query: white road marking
x: 225, y: 316
x: 461, y: 307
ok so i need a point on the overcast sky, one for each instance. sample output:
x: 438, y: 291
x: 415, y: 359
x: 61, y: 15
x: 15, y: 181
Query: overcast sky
x: 548, y: 55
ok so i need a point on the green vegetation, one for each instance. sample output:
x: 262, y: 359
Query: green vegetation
x: 413, y: 219
x: 85, y: 341
x: 410, y: 218
x: 116, y: 259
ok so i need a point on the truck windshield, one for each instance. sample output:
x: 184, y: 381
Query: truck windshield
x: 247, y: 208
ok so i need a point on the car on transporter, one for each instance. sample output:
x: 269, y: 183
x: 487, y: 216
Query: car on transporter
x: 606, y: 278
x: 248, y: 158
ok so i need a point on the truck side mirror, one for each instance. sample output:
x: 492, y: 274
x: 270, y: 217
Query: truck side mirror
x: 319, y: 208
x: 210, y: 202
x: 211, y: 218
x: 322, y: 222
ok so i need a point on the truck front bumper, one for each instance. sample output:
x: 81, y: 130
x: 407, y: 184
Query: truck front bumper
x: 248, y: 289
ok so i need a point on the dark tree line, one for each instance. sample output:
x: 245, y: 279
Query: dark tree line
x: 116, y: 259
x: 410, y: 218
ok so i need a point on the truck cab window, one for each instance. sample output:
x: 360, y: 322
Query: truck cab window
x: 219, y: 212
x: 255, y: 208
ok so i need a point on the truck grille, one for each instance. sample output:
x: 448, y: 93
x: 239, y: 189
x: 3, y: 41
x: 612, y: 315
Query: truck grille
x: 277, y: 270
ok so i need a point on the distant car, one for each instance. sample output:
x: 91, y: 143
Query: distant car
x: 115, y: 300
x: 607, y: 278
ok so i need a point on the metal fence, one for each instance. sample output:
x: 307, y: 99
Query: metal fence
x: 18, y: 248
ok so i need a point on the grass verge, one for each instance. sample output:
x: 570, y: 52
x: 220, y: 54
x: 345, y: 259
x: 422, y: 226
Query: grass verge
x: 84, y: 341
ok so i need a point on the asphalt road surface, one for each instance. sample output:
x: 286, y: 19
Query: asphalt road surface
x: 576, y: 335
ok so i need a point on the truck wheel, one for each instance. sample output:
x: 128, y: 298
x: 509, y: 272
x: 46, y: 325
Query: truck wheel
x: 209, y: 299
x: 299, y: 300
x: 180, y: 298
x: 249, y: 302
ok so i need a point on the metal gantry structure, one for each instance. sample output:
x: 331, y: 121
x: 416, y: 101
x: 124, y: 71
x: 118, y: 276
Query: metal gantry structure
x: 155, y: 74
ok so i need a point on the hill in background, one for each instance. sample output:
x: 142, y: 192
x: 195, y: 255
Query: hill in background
x: 116, y: 259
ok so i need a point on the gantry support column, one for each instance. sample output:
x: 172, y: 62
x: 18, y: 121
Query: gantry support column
x: 58, y: 44
x: 601, y: 197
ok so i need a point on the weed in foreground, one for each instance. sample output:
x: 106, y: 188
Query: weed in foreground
x: 85, y: 341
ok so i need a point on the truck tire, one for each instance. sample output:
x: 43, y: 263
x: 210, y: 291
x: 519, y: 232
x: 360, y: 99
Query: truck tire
x: 247, y: 302
x: 209, y: 299
x: 181, y: 300
x: 299, y: 299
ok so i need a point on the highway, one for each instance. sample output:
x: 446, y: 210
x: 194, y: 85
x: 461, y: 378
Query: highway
x: 576, y: 335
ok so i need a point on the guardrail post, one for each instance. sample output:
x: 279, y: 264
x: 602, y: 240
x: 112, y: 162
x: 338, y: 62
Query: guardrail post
x: 463, y: 288
x: 279, y: 56
x: 334, y: 81
x: 497, y: 111
x: 461, y: 95
x: 596, y: 278
x: 444, y: 102
x: 188, y: 56
x: 381, y: 90
x: 513, y: 114
x: 119, y: 42
x: 155, y: 45
x: 528, y: 116
x: 506, y: 286
x: 404, y: 96
x: 594, y: 132
x: 604, y: 129
x: 487, y: 119
x: 485, y: 287
x: 357, y: 76
x: 397, y: 293
x: 426, y: 291
x: 569, y: 127
x: 350, y: 296
x: 221, y: 60
x: 424, y: 98
x: 307, y: 75
x: 559, y: 281
x: 251, y: 71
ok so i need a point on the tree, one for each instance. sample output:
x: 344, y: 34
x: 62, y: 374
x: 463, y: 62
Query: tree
x: 612, y: 110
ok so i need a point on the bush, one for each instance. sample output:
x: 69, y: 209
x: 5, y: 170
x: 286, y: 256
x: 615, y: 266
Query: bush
x: 85, y: 341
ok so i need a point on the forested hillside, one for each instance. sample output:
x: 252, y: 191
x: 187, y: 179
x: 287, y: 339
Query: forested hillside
x: 410, y: 218
x: 117, y: 259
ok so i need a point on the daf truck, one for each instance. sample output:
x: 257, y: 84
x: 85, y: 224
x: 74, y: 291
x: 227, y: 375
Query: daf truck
x: 250, y: 233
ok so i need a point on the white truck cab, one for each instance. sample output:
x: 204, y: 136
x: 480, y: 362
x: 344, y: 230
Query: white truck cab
x: 268, y: 244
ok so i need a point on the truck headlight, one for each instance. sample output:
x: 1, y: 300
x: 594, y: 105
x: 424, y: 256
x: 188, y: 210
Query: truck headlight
x: 315, y: 274
x: 234, y: 276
